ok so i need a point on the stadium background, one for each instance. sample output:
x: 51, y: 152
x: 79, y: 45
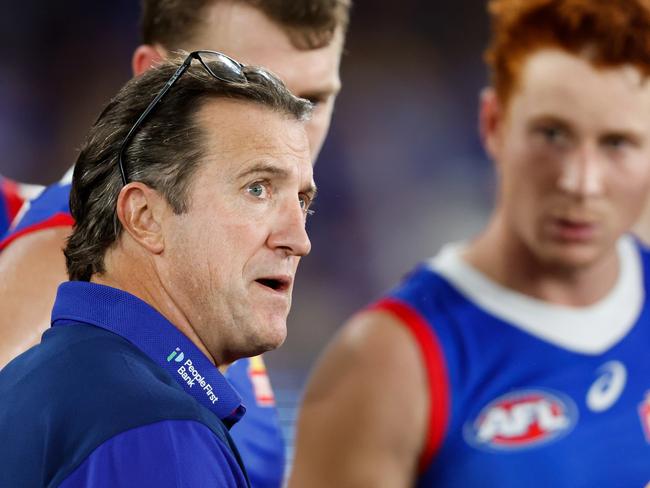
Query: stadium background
x: 401, y: 173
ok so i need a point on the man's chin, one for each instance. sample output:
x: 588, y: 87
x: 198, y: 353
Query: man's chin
x: 571, y: 256
x: 270, y: 335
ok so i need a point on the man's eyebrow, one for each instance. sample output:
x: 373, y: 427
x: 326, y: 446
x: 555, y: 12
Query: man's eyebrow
x: 263, y: 169
x: 311, y: 190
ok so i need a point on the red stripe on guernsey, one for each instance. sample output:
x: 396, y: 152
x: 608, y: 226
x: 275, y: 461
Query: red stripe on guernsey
x: 434, y: 361
x: 60, y: 219
x: 13, y: 198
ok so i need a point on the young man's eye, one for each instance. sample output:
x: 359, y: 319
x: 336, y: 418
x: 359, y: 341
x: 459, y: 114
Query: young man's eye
x: 552, y: 134
x: 616, y: 141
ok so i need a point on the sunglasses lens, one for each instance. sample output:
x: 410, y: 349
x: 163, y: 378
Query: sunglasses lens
x: 222, y: 67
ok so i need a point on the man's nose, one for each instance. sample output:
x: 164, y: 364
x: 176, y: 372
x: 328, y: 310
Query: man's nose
x: 582, y: 174
x: 289, y: 232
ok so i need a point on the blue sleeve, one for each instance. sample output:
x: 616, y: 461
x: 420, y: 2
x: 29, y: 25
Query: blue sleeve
x: 172, y: 453
x: 258, y: 435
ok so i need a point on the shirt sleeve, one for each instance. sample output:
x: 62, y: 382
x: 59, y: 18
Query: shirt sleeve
x: 171, y: 453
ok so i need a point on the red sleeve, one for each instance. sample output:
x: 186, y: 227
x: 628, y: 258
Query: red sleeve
x: 13, y: 198
x: 57, y: 220
x: 436, y: 371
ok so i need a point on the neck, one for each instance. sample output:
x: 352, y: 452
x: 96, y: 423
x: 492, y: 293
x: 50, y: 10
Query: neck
x: 506, y: 259
x: 139, y: 277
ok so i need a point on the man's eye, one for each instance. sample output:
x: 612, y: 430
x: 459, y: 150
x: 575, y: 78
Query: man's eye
x: 616, y: 141
x: 317, y: 100
x: 553, y: 135
x: 305, y: 203
x: 257, y: 190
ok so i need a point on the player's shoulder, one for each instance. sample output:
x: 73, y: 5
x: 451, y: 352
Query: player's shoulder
x: 44, y: 209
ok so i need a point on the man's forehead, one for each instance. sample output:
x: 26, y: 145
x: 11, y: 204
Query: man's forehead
x: 249, y: 36
x: 243, y: 130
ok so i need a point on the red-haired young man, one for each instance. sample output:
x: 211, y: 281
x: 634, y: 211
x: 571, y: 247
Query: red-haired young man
x: 517, y: 358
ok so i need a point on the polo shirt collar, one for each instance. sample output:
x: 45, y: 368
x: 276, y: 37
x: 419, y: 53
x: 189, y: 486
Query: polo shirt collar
x: 143, y: 326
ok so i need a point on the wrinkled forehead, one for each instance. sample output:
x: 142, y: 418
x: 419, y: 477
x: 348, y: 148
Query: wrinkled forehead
x: 236, y: 131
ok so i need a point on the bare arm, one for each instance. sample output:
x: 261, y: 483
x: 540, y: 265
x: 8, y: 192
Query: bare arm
x: 363, y: 420
x: 31, y: 269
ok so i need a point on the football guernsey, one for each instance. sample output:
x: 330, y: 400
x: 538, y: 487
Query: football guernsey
x: 10, y: 202
x: 258, y: 436
x: 526, y: 393
x: 115, y: 395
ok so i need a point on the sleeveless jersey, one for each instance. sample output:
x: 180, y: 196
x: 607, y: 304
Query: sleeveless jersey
x: 11, y: 200
x: 258, y: 435
x: 527, y: 393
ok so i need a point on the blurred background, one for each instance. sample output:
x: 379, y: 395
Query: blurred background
x: 401, y: 173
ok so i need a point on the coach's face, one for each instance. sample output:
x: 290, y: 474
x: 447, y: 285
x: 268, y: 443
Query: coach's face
x: 231, y: 259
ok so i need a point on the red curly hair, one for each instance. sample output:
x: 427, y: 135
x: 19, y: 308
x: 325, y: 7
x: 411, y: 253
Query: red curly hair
x: 609, y: 32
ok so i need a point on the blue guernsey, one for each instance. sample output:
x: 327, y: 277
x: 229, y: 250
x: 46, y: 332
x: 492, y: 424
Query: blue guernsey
x: 527, y: 393
x: 113, y: 396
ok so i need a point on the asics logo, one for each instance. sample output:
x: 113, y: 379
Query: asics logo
x: 607, y: 389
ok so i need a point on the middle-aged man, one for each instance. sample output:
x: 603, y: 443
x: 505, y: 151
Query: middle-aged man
x: 519, y: 358
x: 189, y: 226
x: 299, y: 40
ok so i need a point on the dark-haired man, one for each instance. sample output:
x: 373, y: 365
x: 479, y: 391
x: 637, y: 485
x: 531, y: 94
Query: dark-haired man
x: 189, y: 197
x: 518, y: 358
x: 300, y: 41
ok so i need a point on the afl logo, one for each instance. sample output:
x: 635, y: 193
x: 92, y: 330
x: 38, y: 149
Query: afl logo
x: 521, y: 420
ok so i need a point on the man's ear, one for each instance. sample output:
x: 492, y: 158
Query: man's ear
x: 140, y: 210
x: 145, y: 57
x: 490, y: 121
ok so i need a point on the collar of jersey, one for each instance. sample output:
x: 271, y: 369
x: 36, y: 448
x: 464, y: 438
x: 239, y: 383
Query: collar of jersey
x: 589, y: 330
x: 136, y: 321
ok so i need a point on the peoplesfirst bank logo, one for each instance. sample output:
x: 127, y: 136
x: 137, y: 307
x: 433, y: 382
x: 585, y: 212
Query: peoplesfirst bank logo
x: 176, y: 355
x: 191, y: 375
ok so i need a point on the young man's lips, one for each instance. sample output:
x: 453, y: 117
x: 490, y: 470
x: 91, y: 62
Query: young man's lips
x: 574, y: 230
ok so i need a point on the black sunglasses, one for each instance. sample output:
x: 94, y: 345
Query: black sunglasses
x: 222, y: 67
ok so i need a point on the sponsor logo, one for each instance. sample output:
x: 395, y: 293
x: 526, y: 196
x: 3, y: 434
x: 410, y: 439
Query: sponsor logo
x: 176, y: 355
x: 261, y: 383
x: 644, y: 413
x: 607, y: 389
x: 191, y: 376
x: 521, y: 420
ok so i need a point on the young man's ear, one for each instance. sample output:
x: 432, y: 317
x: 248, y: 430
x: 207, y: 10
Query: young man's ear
x: 145, y: 57
x: 490, y: 121
x: 140, y: 210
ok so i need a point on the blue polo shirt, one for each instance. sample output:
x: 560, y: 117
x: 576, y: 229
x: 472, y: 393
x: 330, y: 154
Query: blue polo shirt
x: 115, y: 395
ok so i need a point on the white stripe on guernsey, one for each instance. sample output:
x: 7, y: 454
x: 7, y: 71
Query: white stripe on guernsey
x: 588, y: 330
x: 67, y: 177
x: 28, y: 191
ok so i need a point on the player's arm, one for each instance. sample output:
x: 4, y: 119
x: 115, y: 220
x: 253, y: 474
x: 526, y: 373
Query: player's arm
x: 31, y: 269
x: 363, y: 420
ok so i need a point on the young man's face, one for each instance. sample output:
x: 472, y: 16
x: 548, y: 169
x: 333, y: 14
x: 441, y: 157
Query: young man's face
x: 231, y: 259
x: 572, y: 150
x: 247, y: 35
